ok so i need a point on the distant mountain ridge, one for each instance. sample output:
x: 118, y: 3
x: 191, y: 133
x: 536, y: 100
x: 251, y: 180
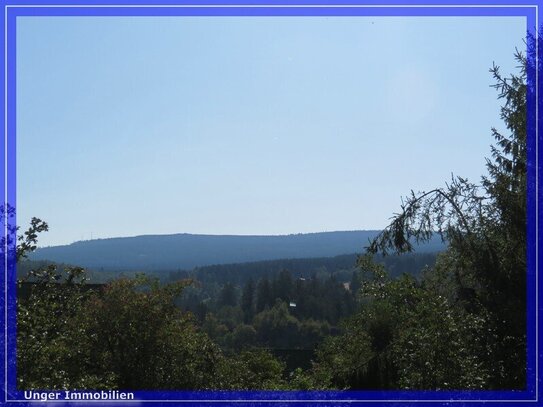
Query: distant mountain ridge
x: 186, y: 251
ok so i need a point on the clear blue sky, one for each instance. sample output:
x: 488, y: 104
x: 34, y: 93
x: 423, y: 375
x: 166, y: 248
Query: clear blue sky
x: 129, y: 126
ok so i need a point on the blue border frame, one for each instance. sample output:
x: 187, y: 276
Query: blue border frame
x: 12, y: 9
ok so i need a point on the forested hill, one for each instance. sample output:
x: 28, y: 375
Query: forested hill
x: 340, y: 267
x: 186, y: 251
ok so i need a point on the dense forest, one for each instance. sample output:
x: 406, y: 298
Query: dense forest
x: 186, y: 251
x: 385, y: 319
x: 342, y: 267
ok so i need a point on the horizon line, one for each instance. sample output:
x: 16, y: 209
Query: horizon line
x: 211, y: 235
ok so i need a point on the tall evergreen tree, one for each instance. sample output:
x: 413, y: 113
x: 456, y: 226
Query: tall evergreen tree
x: 227, y: 296
x: 264, y: 296
x: 464, y: 325
x: 248, y: 301
x: 282, y: 286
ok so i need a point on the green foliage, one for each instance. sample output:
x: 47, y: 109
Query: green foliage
x: 485, y: 225
x: 27, y: 242
x: 343, y: 359
x: 228, y: 296
x: 306, y: 380
x: 230, y: 316
x: 53, y: 350
x: 248, y: 301
x: 460, y: 324
x: 283, y: 286
x: 312, y: 332
x: 213, y: 327
x: 252, y: 370
x: 432, y: 343
x: 276, y: 326
x: 463, y: 325
x: 243, y: 337
x: 437, y: 346
x: 138, y: 334
x: 264, y: 296
x: 128, y: 335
